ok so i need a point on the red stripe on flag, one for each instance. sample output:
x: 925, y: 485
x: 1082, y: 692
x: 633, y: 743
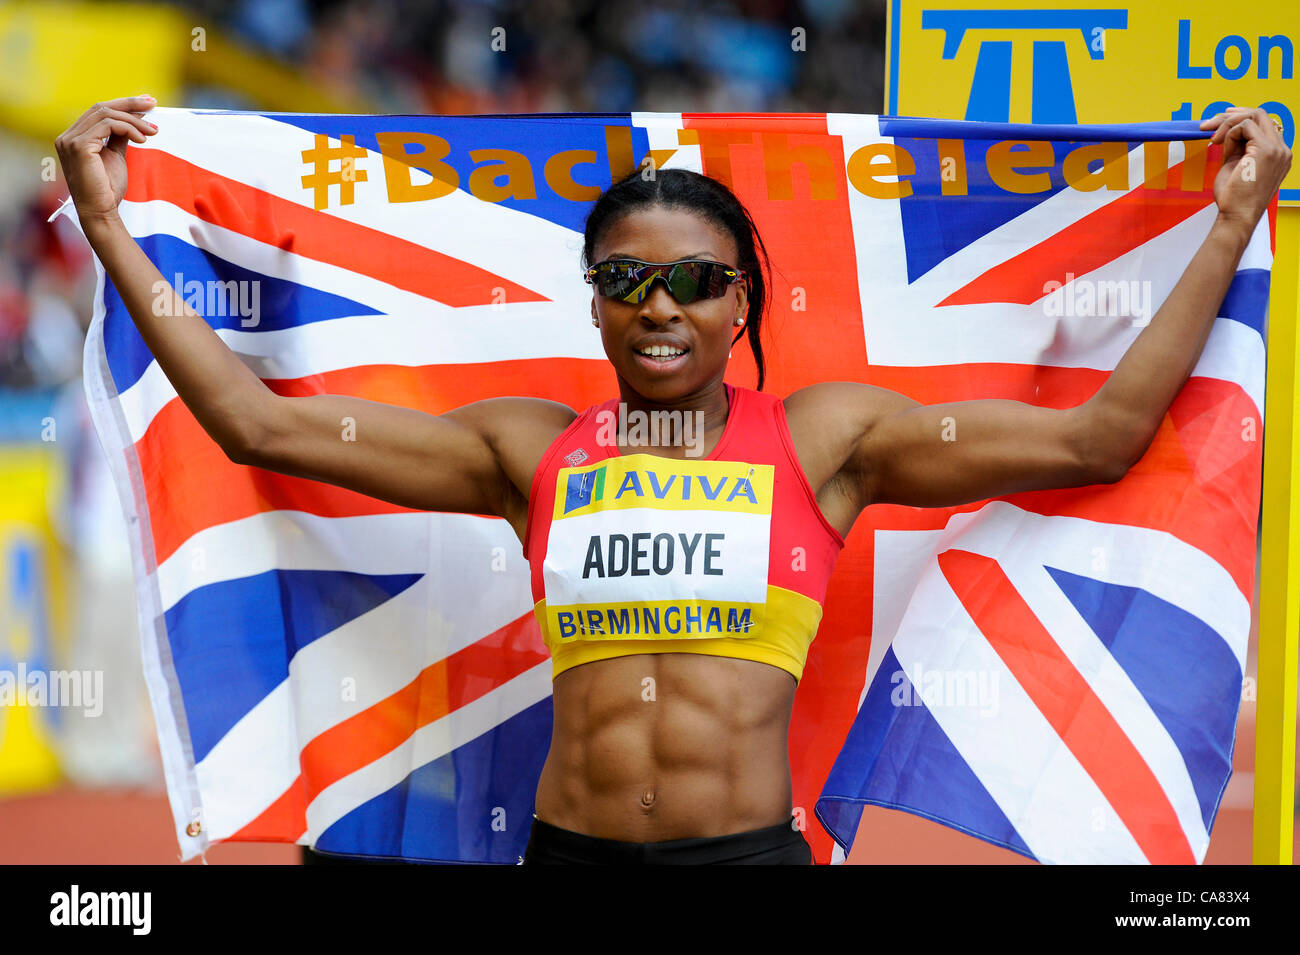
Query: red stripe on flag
x: 191, y: 484
x: 439, y: 689
x: 155, y: 174
x: 792, y: 175
x: 282, y: 821
x: 1069, y: 704
x: 1115, y: 229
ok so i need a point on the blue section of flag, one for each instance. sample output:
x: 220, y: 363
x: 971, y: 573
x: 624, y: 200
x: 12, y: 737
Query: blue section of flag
x: 1172, y: 657
x: 1247, y: 299
x: 475, y: 803
x: 537, y: 137
x: 280, y: 303
x: 934, y: 226
x: 897, y: 756
x: 922, y: 128
x: 231, y: 642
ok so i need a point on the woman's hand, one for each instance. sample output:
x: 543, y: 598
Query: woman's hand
x: 92, y: 153
x: 1255, y: 161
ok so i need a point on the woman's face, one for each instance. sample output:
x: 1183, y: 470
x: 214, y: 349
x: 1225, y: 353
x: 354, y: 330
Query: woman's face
x: 703, y: 329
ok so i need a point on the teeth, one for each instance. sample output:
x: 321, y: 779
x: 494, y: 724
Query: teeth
x: 662, y: 351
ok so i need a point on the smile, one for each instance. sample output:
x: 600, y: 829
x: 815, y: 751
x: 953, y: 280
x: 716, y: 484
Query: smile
x: 661, y: 352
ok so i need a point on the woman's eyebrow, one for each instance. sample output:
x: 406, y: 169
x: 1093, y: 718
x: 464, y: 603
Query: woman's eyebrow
x: 693, y: 255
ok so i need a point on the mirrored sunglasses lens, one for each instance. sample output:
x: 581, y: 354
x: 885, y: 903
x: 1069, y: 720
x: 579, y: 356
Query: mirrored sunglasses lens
x: 615, y: 280
x: 684, y: 281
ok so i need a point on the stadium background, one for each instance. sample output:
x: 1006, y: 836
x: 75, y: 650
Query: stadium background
x: 82, y: 789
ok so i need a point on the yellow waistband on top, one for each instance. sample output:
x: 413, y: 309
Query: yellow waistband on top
x: 777, y: 633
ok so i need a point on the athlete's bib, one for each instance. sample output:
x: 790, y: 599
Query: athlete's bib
x: 649, y: 548
x: 726, y: 555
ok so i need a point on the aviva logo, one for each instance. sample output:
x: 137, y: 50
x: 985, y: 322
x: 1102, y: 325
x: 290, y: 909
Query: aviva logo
x: 584, y: 488
x: 650, y: 481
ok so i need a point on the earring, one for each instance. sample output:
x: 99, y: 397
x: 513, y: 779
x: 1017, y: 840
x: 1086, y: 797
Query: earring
x: 738, y: 322
x: 596, y: 322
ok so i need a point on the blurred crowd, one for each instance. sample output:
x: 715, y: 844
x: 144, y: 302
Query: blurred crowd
x: 507, y: 56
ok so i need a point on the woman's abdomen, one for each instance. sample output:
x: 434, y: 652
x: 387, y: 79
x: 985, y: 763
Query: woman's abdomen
x: 654, y: 747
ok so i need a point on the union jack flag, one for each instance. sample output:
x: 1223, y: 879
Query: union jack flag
x: 1055, y: 672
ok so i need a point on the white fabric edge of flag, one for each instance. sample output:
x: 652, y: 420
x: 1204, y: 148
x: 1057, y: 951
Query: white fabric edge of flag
x: 183, y: 791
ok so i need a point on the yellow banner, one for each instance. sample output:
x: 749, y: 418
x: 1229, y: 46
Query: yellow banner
x: 1020, y: 61
x: 59, y: 58
x: 32, y: 614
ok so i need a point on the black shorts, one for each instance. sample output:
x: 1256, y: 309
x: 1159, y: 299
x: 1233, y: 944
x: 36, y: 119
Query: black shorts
x: 782, y: 844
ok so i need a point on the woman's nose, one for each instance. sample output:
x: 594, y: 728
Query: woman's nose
x: 659, y: 305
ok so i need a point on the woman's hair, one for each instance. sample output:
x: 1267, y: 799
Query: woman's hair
x: 707, y: 198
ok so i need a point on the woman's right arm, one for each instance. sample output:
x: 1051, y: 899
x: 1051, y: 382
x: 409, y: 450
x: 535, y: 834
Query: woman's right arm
x: 477, y: 459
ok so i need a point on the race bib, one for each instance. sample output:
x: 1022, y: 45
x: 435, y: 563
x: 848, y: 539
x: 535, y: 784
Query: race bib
x: 652, y: 548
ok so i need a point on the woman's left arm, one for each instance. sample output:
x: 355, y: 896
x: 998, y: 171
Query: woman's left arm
x: 948, y: 454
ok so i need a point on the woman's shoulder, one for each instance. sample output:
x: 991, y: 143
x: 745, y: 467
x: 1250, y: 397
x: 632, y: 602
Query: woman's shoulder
x: 828, y: 420
x: 849, y: 404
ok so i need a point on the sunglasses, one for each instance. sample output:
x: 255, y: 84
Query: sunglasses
x: 689, y: 280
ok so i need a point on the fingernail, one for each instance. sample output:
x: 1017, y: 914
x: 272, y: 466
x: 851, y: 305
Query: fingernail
x: 148, y: 96
x: 154, y: 126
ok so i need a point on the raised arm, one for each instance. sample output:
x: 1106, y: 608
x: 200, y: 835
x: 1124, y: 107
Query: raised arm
x: 902, y: 452
x: 476, y: 459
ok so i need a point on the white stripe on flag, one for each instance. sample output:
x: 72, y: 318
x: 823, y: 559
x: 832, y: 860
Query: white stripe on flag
x: 473, y: 547
x: 662, y: 134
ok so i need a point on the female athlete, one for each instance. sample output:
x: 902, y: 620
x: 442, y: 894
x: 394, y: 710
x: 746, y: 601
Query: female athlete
x: 676, y: 592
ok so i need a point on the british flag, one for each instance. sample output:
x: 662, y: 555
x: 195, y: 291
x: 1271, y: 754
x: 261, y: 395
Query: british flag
x: 1056, y: 672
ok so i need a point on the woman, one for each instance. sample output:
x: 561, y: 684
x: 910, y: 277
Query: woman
x: 677, y: 643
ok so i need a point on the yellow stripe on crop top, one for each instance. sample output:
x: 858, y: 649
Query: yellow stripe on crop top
x: 788, y: 624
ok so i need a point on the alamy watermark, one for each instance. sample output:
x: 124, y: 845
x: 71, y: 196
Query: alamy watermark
x: 659, y: 429
x: 922, y: 686
x: 1089, y: 297
x: 72, y: 688
x: 213, y: 298
x: 132, y: 910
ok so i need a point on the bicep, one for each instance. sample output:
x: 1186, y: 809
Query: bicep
x: 944, y: 455
x: 444, y: 462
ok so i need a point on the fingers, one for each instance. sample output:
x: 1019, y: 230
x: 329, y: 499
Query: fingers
x: 103, y: 122
x: 133, y: 104
x: 1258, y: 135
x: 117, y: 143
x: 117, y: 126
x: 1224, y: 123
x: 1242, y: 133
x: 126, y: 110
